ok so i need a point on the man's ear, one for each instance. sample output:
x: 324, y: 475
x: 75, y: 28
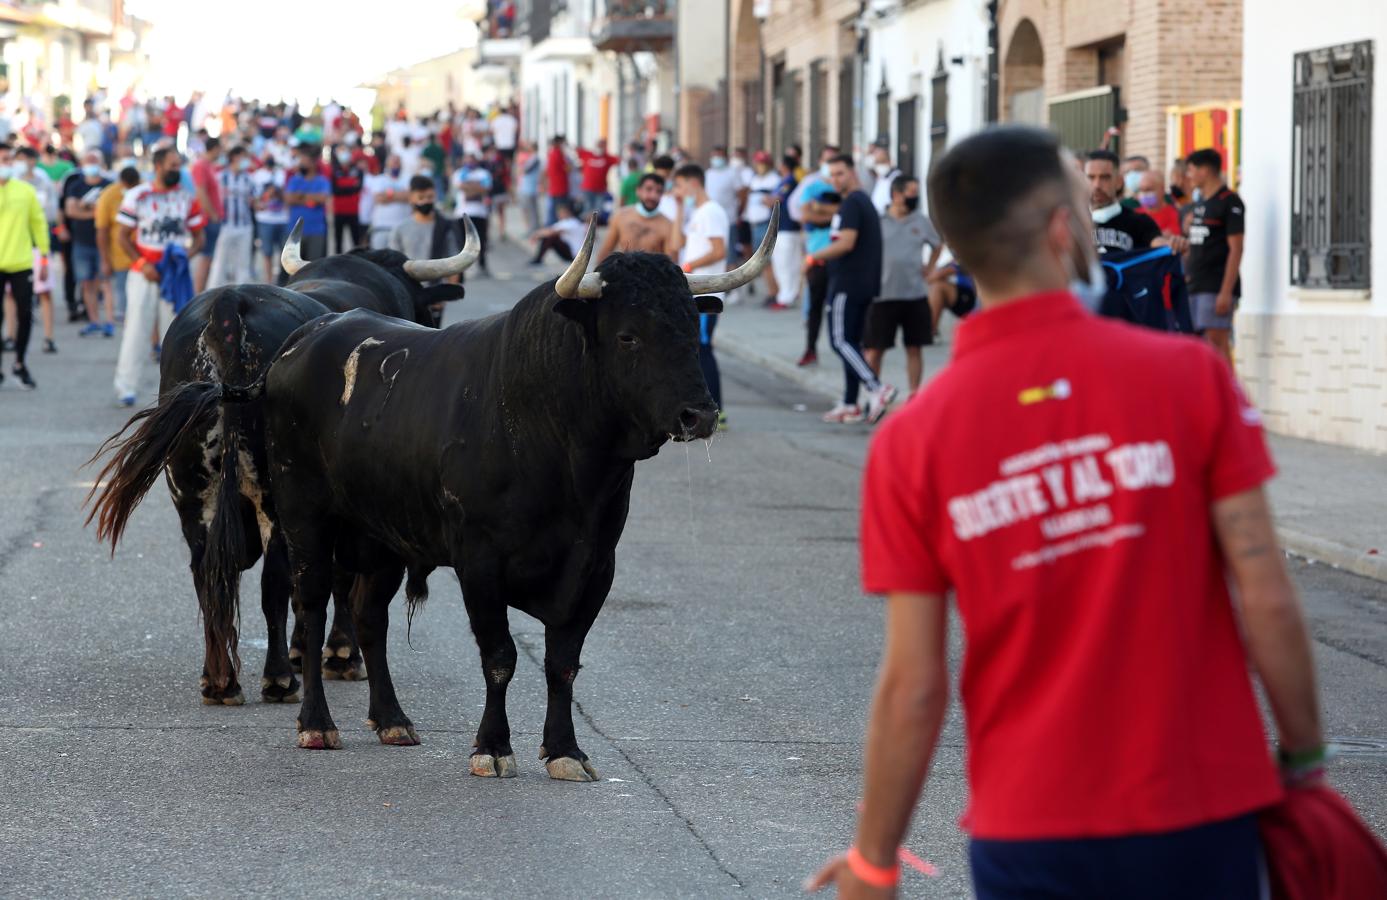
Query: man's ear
x: 708, y: 305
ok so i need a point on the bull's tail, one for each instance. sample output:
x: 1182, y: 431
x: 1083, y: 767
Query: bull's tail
x: 225, y: 554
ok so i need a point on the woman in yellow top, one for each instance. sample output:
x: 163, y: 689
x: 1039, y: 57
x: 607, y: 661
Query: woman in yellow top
x: 23, y: 227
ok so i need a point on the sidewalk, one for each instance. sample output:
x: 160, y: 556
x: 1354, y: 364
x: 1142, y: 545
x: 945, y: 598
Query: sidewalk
x: 1328, y: 500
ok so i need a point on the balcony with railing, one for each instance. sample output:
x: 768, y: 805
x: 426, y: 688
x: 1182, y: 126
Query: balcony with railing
x: 629, y: 26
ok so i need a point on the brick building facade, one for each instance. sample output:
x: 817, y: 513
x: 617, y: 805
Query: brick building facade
x: 1158, y: 53
x: 808, y: 81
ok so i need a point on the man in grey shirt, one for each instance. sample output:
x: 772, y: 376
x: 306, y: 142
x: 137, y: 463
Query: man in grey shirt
x: 909, y: 250
x: 425, y: 234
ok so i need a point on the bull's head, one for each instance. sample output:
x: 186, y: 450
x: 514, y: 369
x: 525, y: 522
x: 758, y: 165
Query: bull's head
x: 640, y: 316
x: 426, y: 298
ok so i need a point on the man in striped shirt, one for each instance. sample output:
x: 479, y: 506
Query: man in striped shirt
x: 231, y: 260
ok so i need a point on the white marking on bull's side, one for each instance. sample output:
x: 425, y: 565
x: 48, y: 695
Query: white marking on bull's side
x: 211, y: 452
x: 349, y: 369
x: 252, y: 491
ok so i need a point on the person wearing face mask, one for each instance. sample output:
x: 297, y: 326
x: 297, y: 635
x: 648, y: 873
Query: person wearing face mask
x: 426, y: 234
x: 308, y: 193
x: 205, y: 169
x: 153, y: 219
x: 472, y: 184
x: 385, y: 202
x: 884, y: 175
x: 23, y: 230
x: 348, y: 181
x: 1081, y: 492
x: 1152, y: 201
x: 788, y: 255
x: 725, y: 188
x: 910, y: 250
x: 639, y: 226
x: 271, y: 215
x: 1115, y: 228
x: 762, y: 193
x: 231, y: 262
x: 1132, y: 169
x: 80, y: 195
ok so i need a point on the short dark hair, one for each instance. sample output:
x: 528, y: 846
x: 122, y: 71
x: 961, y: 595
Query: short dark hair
x: 789, y: 160
x: 842, y: 158
x: 719, y: 148
x: 829, y: 148
x: 158, y: 156
x: 129, y: 176
x: 663, y: 162
x: 651, y: 176
x: 982, y: 188
x: 1138, y: 158
x: 422, y: 183
x: 690, y: 170
x: 235, y: 151
x: 26, y: 150
x: 901, y: 182
x: 1103, y: 156
x: 1207, y: 158
x: 211, y: 143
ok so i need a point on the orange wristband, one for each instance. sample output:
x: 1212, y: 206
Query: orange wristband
x: 871, y: 874
x: 812, y: 261
x: 687, y: 268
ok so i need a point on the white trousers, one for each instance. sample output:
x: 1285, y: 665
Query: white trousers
x: 787, y: 261
x: 231, y: 260
x: 144, y: 309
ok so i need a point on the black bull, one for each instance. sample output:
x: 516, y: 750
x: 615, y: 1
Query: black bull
x: 504, y: 448
x: 230, y: 335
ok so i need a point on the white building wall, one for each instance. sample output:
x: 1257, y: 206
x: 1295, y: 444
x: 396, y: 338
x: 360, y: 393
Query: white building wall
x: 905, y: 46
x: 1314, y: 361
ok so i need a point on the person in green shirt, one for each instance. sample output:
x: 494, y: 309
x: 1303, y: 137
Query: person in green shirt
x: 626, y: 195
x: 433, y: 152
x: 54, y: 165
x: 23, y: 227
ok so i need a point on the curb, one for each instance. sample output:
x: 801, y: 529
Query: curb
x: 1297, y: 543
x: 1334, y: 554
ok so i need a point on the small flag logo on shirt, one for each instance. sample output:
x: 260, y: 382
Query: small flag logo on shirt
x: 1060, y: 390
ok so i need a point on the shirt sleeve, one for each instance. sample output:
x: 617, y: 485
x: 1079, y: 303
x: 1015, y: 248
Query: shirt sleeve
x: 38, y: 225
x: 1235, y: 216
x: 896, y: 545
x: 196, y: 219
x: 126, y: 214
x: 1239, y: 459
x: 850, y: 214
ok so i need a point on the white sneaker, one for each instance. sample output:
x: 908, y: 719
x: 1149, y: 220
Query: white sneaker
x: 843, y: 414
x: 879, y: 403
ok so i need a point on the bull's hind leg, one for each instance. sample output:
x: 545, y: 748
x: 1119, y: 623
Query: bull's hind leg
x: 563, y: 646
x: 371, y: 608
x: 310, y: 561
x: 492, y: 756
x: 341, y: 656
x: 278, y: 684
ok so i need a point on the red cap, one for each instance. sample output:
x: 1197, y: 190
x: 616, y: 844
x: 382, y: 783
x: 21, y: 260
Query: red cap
x: 761, y: 156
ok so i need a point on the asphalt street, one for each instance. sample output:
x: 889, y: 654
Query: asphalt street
x: 722, y: 698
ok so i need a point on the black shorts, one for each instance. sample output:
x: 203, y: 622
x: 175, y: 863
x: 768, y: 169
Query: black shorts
x: 912, y: 317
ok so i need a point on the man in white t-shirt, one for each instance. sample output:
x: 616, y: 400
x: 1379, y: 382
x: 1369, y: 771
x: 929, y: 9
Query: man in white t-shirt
x: 504, y: 130
x: 472, y: 198
x: 565, y: 237
x: 385, y: 202
x: 762, y: 185
x: 700, y: 236
x: 883, y: 174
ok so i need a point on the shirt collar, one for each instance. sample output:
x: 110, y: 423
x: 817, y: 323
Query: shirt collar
x: 1019, y: 316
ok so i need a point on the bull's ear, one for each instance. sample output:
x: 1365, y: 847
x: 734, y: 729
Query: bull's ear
x: 579, y: 311
x: 709, y: 305
x: 442, y: 293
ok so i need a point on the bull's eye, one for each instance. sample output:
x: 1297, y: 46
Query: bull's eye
x: 628, y: 341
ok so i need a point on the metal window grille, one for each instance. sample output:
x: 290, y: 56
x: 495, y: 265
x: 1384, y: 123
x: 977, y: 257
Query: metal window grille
x: 818, y: 99
x: 847, y: 81
x: 1331, y: 154
x: 939, y: 113
x: 884, y: 113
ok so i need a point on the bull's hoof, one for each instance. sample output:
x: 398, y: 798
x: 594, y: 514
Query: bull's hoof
x: 320, y: 740
x: 227, y: 695
x: 566, y: 768
x: 340, y: 665
x: 281, y: 689
x: 484, y: 765
x: 399, y: 736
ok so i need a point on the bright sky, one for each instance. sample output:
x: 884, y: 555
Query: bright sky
x: 295, y: 49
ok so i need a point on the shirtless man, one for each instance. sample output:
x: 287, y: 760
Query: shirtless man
x: 640, y: 226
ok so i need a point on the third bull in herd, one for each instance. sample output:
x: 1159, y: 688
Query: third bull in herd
x: 357, y: 449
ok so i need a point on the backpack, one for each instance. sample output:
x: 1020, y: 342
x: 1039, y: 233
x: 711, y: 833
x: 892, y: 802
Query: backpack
x: 1147, y: 287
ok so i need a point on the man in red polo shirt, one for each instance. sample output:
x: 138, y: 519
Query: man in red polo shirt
x: 556, y: 166
x: 596, y: 165
x: 1085, y: 488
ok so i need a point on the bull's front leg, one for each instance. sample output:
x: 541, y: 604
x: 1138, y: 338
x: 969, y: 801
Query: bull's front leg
x: 492, y: 756
x: 563, y: 647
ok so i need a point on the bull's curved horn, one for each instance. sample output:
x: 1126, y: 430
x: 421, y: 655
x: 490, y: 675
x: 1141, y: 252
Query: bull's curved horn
x: 747, y: 271
x: 434, y: 269
x: 576, y: 281
x: 289, y: 257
